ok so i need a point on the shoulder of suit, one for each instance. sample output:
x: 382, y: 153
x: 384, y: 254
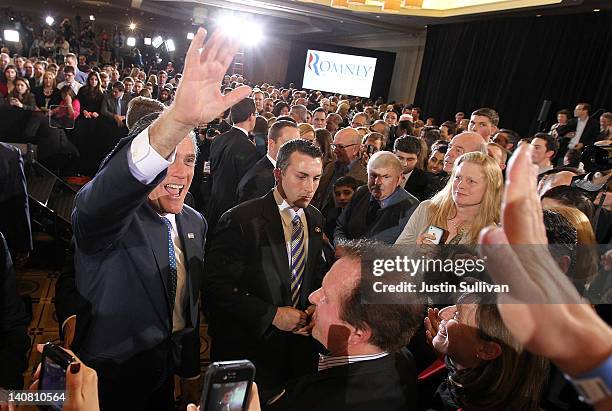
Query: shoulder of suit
x: 9, y: 151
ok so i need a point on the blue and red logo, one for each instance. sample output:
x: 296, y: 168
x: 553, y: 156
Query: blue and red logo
x: 313, y: 56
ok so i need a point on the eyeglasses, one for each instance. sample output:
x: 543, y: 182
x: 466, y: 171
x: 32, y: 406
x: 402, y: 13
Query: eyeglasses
x: 342, y: 147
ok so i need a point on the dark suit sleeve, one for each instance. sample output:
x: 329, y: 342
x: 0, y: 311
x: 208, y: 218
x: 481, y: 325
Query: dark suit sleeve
x: 226, y: 267
x: 105, y: 110
x: 105, y: 206
x: 18, y: 206
x: 341, y: 231
x: 589, y: 136
x: 567, y: 128
x: 190, y: 354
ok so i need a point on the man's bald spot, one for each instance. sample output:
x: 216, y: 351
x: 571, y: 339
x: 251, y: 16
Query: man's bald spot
x: 470, y: 141
x: 348, y: 135
x: 385, y: 159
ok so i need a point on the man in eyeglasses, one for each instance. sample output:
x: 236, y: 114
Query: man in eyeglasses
x: 347, y: 148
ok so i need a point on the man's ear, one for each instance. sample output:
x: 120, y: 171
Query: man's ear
x: 358, y: 336
x: 488, y: 351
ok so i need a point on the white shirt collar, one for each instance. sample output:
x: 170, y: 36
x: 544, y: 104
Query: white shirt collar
x: 273, y: 161
x: 330, y: 361
x: 284, y: 207
x: 243, y: 130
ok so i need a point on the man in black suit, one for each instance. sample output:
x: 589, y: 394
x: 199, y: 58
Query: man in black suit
x: 139, y: 249
x: 115, y: 104
x: 259, y: 180
x: 263, y: 262
x: 380, y: 210
x: 14, y: 206
x: 414, y: 180
x: 232, y: 154
x: 580, y: 131
x: 367, y: 367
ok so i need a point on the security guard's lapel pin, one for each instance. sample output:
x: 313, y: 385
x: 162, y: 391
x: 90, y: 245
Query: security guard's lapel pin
x: 190, y: 235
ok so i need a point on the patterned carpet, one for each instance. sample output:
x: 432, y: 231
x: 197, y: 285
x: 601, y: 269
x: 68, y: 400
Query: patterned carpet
x: 39, y: 284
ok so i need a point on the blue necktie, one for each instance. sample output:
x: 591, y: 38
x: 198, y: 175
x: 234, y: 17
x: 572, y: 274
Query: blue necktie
x: 298, y: 259
x: 172, y: 261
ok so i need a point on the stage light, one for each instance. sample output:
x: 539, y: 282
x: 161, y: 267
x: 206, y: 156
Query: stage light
x: 91, y: 17
x: 11, y: 35
x: 248, y: 32
x: 157, y: 41
x: 49, y: 20
x: 132, y: 26
x: 190, y: 36
x: 131, y: 41
x: 170, y: 45
x: 147, y: 41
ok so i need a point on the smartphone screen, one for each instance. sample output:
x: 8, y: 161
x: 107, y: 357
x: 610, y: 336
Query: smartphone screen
x: 229, y: 396
x: 53, y: 378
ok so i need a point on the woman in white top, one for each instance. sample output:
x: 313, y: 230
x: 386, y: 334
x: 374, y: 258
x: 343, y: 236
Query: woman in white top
x: 470, y: 201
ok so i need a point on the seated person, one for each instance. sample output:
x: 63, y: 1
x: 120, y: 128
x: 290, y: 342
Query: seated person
x: 380, y: 210
x: 469, y: 202
x: 366, y: 367
x: 344, y: 189
x: 436, y: 158
x: 487, y: 369
x: 414, y: 180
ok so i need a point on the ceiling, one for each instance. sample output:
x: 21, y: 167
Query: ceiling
x: 304, y: 19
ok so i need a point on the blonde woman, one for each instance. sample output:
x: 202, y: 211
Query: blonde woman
x: 307, y: 132
x: 470, y: 201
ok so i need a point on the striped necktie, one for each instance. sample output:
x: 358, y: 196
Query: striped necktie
x: 172, y: 261
x: 298, y: 259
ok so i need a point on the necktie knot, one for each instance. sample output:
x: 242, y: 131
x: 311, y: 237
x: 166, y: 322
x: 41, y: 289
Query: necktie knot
x: 296, y: 220
x: 167, y: 222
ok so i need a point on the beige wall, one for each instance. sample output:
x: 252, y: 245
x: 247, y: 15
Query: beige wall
x: 269, y: 63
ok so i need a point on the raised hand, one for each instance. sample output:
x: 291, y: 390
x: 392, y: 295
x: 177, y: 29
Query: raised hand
x: 198, y: 98
x: 543, y: 311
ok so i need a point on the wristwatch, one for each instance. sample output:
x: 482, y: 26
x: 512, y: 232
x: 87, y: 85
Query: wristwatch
x: 595, y: 385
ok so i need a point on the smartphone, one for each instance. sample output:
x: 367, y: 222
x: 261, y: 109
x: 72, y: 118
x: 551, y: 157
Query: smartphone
x: 438, y: 232
x: 54, y: 363
x: 227, y: 386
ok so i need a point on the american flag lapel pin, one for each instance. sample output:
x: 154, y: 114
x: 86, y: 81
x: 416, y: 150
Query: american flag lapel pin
x: 317, y: 230
x: 190, y: 235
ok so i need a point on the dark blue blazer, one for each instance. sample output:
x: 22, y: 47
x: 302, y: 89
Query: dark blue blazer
x: 121, y: 263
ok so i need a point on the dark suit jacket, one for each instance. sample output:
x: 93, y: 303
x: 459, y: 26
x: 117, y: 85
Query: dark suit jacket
x: 418, y: 184
x: 258, y: 181
x: 388, y: 383
x: 14, y: 206
x: 231, y: 156
x: 589, y: 135
x: 14, y: 320
x: 247, y: 277
x: 122, y: 269
x: 387, y: 225
x: 109, y: 105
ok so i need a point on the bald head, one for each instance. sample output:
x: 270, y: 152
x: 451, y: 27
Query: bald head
x: 562, y: 178
x: 346, y: 145
x: 466, y: 142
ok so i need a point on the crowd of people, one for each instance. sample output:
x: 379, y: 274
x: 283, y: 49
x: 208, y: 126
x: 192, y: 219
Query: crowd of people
x: 260, y: 207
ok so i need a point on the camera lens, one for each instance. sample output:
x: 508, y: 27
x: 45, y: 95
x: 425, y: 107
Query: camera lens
x: 597, y: 158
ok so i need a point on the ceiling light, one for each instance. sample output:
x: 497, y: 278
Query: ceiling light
x: 596, y: 10
x: 147, y: 41
x: 248, y: 32
x: 190, y: 36
x: 49, y: 20
x: 131, y: 41
x: 132, y: 26
x: 157, y: 41
x: 92, y: 17
x: 11, y: 35
x: 339, y: 3
x: 170, y: 45
x: 413, y: 3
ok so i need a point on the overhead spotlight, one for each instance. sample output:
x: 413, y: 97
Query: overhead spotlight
x: 248, y: 32
x: 92, y: 17
x: 596, y: 10
x: 132, y: 26
x: 147, y: 41
x: 50, y: 20
x: 190, y: 36
x: 170, y: 45
x: 11, y: 35
x: 157, y: 41
x: 131, y: 41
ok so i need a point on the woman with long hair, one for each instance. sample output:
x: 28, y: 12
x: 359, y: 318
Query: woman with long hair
x: 91, y: 95
x: 21, y: 97
x: 10, y: 74
x: 487, y: 369
x: 69, y: 107
x: 307, y: 132
x: 47, y: 94
x: 470, y: 201
x: 323, y: 140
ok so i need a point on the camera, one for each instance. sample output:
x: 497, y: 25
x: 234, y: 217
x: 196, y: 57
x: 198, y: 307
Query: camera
x: 597, y: 158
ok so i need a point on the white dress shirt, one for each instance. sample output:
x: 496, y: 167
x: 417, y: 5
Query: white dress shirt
x: 580, y: 126
x: 330, y: 361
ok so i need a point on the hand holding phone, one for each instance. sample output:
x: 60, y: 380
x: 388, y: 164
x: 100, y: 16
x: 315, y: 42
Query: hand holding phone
x: 54, y: 363
x: 433, y: 235
x: 227, y: 386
